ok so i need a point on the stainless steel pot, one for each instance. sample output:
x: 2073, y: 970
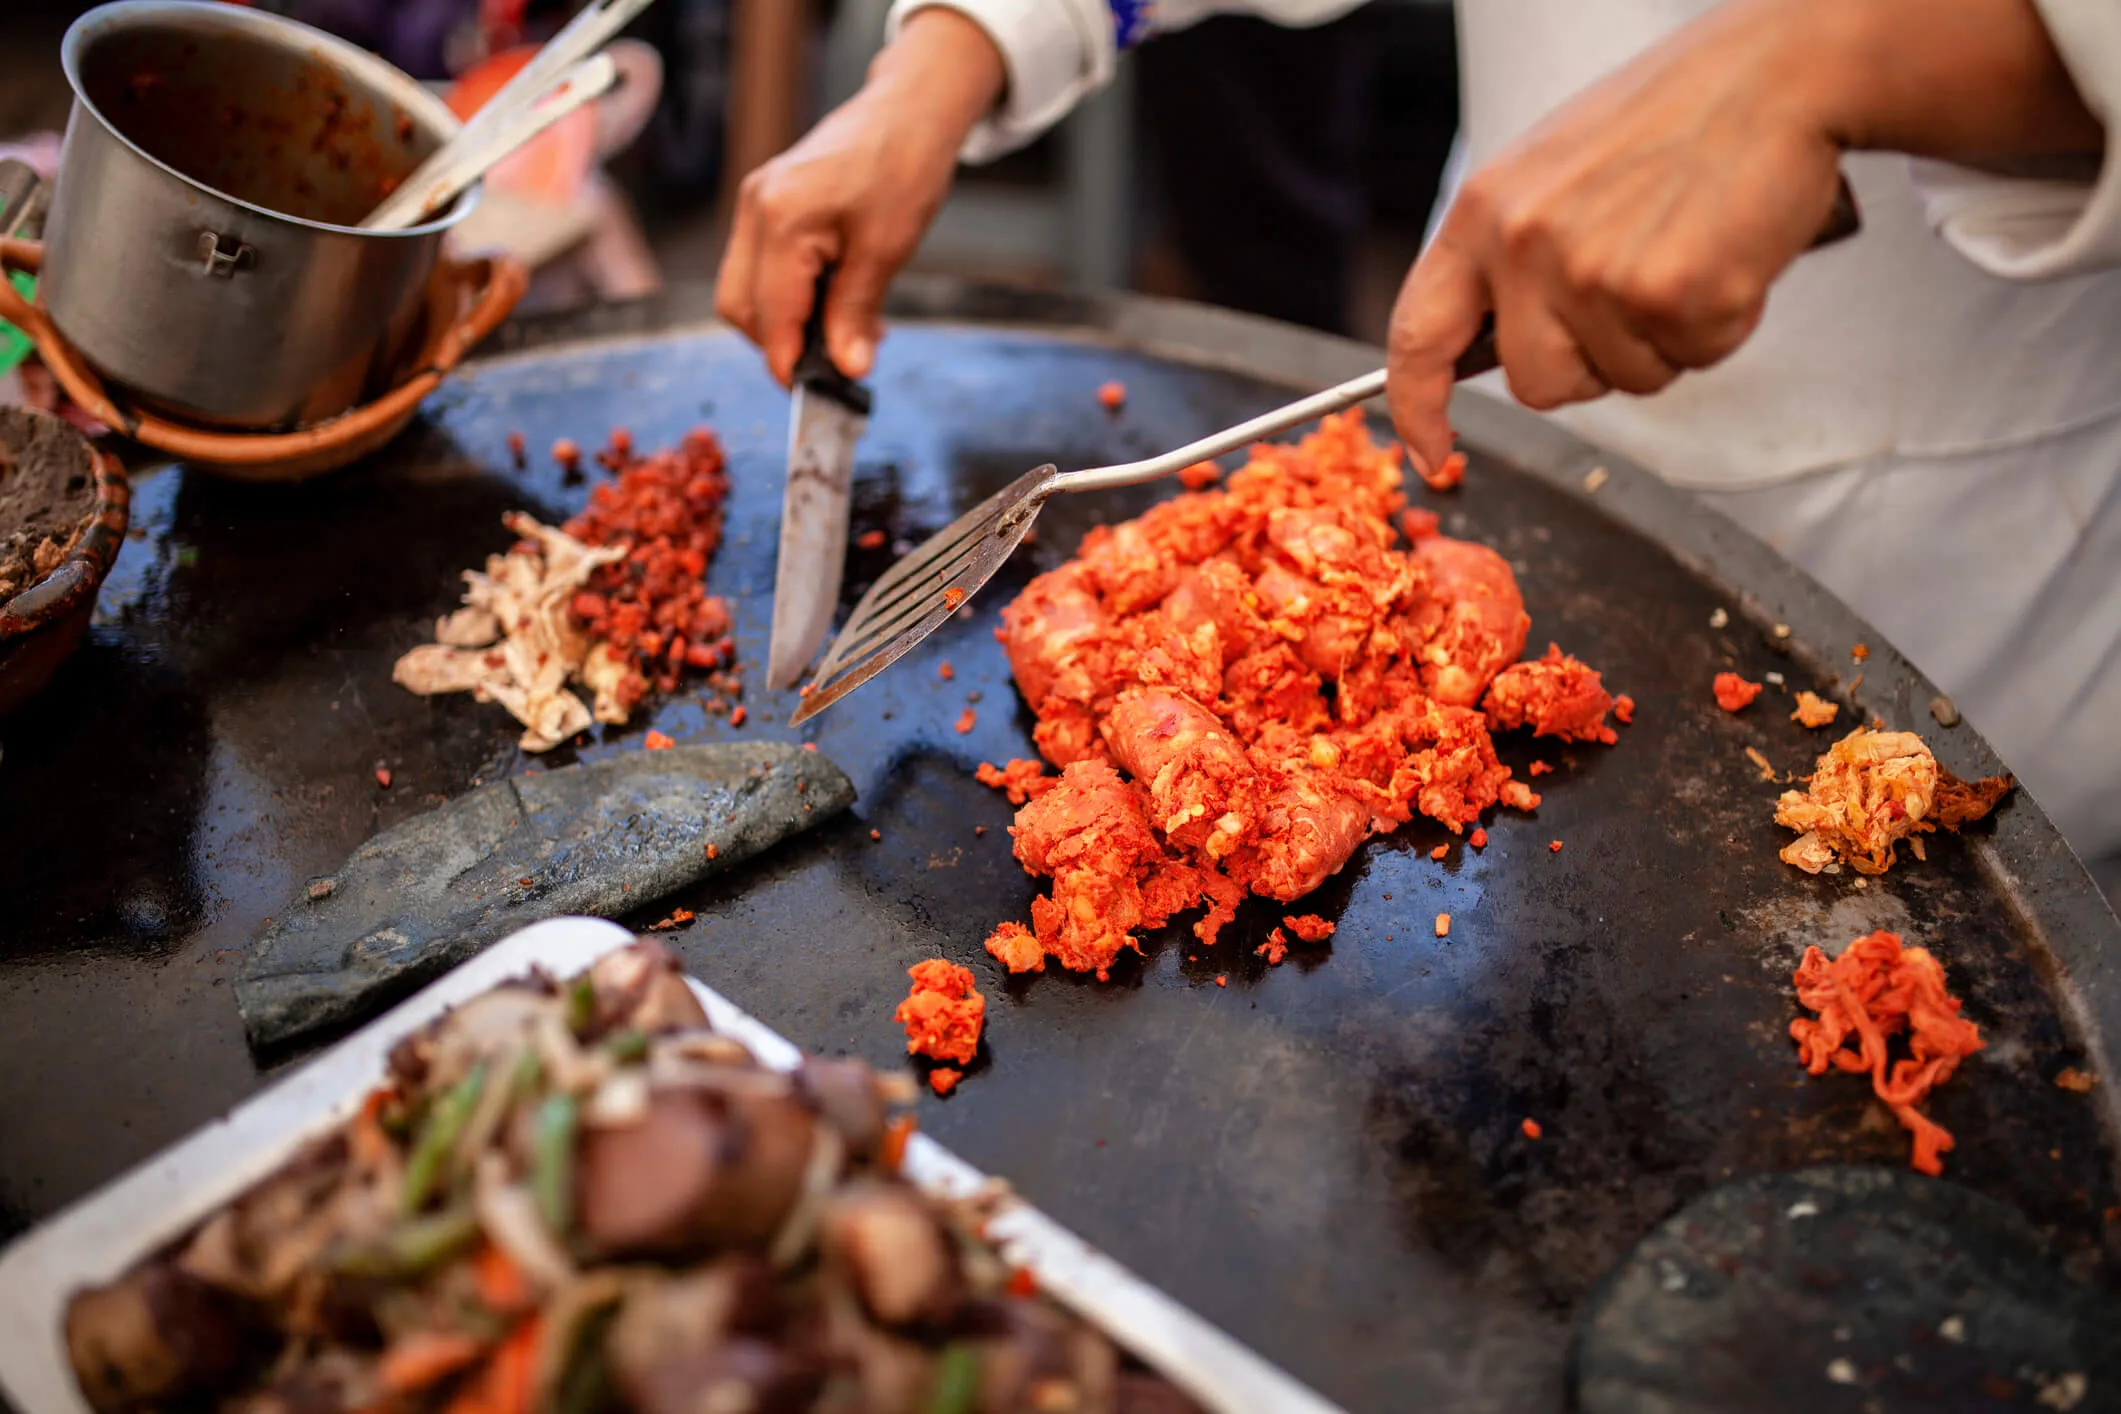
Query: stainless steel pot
x: 200, y: 249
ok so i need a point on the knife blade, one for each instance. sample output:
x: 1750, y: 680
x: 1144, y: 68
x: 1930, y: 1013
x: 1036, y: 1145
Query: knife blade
x: 826, y: 418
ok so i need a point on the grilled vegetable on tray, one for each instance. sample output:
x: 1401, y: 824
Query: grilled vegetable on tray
x: 575, y: 1196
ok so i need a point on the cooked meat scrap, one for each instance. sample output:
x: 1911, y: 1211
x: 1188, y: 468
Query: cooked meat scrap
x: 1554, y: 696
x: 1310, y: 927
x: 1870, y: 791
x: 1734, y: 693
x: 1815, y: 711
x: 1020, y: 779
x: 1016, y: 947
x: 1876, y: 990
x: 943, y: 1013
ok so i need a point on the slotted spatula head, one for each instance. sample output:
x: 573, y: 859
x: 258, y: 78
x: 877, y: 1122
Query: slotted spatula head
x: 928, y: 586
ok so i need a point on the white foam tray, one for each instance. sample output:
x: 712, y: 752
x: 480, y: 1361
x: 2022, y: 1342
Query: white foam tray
x: 106, y: 1233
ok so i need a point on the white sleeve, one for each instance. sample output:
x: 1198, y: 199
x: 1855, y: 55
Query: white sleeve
x: 2043, y: 228
x: 1058, y: 51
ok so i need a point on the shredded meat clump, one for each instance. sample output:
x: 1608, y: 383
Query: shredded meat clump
x: 1876, y: 990
x: 943, y: 1013
x: 1870, y: 791
x: 1555, y: 696
x: 614, y: 602
x: 1245, y: 682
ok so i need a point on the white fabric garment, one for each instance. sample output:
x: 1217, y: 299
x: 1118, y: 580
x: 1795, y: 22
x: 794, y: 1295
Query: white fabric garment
x: 1931, y: 427
x: 1933, y: 437
x: 1059, y: 50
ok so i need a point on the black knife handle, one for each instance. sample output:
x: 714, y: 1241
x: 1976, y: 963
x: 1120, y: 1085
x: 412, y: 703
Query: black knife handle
x: 1843, y: 221
x: 815, y: 369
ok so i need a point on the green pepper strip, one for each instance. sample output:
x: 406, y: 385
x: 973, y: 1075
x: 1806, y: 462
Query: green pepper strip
x: 438, y: 1137
x: 581, y: 1005
x: 413, y: 1247
x: 552, y: 1171
x: 956, y: 1382
x: 628, y: 1046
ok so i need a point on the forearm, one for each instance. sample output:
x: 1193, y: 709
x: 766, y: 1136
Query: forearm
x: 1969, y: 81
x: 946, y: 63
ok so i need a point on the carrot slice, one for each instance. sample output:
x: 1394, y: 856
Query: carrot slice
x: 423, y: 1359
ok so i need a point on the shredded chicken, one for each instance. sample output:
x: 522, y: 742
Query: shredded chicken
x: 1870, y: 791
x: 1875, y: 990
x: 1245, y: 682
x: 515, y: 641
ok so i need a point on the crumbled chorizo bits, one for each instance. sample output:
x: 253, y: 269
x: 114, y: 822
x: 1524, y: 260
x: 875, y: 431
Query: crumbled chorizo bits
x: 1875, y: 991
x: 383, y: 777
x: 943, y: 1013
x: 943, y: 1079
x: 1624, y: 709
x: 1015, y: 947
x: 1200, y: 476
x: 1532, y: 1128
x: 1021, y: 779
x: 1112, y: 396
x: 1815, y: 711
x: 966, y: 721
x: 1443, y: 925
x: 1275, y: 948
x: 871, y: 540
x: 1244, y: 683
x: 1734, y: 693
x: 657, y: 741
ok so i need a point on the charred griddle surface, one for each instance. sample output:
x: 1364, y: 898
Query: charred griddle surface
x: 1326, y: 1158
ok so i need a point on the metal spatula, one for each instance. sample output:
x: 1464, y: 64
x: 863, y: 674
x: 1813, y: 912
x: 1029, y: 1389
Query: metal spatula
x: 920, y: 591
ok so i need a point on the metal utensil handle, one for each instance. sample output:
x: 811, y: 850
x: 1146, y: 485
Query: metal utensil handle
x: 585, y: 83
x: 582, y: 36
x: 1334, y: 399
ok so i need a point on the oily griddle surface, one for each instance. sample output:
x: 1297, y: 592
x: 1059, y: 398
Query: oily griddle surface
x: 1326, y: 1158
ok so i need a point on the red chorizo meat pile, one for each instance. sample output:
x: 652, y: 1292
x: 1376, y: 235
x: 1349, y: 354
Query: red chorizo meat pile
x: 1242, y: 684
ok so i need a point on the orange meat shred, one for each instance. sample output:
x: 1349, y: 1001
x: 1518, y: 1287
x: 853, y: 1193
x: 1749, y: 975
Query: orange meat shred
x: 1275, y: 948
x: 943, y: 1013
x: 1876, y: 990
x: 1310, y: 927
x: 1200, y: 476
x: 966, y: 721
x: 1734, y: 693
x: 942, y: 1080
x: 1623, y: 709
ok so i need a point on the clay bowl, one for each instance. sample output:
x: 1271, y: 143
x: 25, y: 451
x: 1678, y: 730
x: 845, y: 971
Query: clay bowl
x: 43, y: 622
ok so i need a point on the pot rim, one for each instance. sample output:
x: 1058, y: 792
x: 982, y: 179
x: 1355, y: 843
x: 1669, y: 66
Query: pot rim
x: 380, y: 75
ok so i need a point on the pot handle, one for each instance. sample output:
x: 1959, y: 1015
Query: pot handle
x: 26, y: 256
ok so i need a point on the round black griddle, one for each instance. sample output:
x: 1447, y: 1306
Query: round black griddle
x: 1326, y: 1158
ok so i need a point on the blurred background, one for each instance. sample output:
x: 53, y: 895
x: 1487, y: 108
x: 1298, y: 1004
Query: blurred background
x: 1287, y: 173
